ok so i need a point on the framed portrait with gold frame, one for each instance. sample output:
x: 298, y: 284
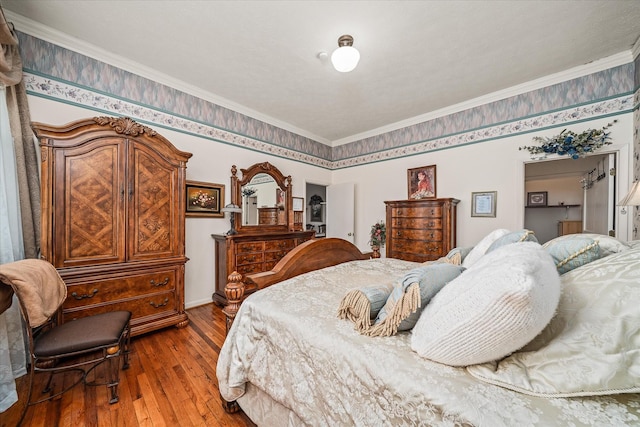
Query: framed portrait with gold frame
x: 421, y: 182
x: 204, y: 199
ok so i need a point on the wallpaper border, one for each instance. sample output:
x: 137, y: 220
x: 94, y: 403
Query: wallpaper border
x: 69, y: 93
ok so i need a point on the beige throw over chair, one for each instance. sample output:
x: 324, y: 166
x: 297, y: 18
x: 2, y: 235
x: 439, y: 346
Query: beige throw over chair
x: 81, y: 344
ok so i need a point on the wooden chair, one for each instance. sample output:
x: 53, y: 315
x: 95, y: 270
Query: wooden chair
x: 78, y: 345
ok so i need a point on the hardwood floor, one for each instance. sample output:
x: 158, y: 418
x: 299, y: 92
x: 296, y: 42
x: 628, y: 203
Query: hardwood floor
x: 171, y: 382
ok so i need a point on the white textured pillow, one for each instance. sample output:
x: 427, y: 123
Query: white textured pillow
x: 592, y: 345
x: 492, y: 309
x: 482, y: 246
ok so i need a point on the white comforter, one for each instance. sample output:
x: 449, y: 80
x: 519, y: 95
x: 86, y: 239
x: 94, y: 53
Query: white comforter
x: 288, y: 342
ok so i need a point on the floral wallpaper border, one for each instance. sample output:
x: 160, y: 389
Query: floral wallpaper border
x: 68, y: 93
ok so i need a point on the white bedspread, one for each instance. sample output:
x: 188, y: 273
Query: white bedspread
x: 288, y: 342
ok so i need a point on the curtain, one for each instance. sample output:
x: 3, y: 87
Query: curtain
x: 19, y: 202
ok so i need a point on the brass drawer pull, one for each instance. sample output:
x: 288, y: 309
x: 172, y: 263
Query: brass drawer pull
x: 165, y: 302
x: 156, y: 284
x: 83, y: 296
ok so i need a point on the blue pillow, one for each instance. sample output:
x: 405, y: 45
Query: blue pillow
x: 572, y: 253
x: 410, y: 295
x: 513, y: 237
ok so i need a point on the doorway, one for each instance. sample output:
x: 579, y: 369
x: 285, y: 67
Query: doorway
x: 569, y: 207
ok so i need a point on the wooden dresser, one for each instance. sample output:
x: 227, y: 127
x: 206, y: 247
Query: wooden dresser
x: 251, y: 253
x: 271, y: 216
x: 420, y: 230
x: 113, y: 219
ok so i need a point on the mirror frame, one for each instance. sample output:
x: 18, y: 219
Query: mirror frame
x: 284, y: 182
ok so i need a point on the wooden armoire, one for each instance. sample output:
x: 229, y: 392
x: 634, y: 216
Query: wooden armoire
x: 421, y: 230
x: 113, y: 219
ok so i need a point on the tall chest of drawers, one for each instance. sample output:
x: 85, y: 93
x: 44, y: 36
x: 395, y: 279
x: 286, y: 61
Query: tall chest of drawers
x: 251, y: 253
x: 420, y: 230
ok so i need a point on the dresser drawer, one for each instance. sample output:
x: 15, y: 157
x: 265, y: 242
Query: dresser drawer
x: 424, y: 212
x: 98, y: 291
x: 279, y: 245
x: 428, y: 235
x: 417, y: 247
x: 148, y: 305
x: 245, y: 247
x: 408, y: 256
x: 274, y: 256
x: 249, y: 258
x: 423, y: 223
x: 250, y: 268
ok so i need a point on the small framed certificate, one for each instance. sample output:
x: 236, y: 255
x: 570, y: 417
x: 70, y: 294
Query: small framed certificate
x: 298, y: 203
x: 483, y: 204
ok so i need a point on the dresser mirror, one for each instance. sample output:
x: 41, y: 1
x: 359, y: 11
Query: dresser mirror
x: 264, y: 194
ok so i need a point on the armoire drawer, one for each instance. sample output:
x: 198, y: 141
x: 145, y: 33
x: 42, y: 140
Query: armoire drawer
x: 147, y: 305
x: 92, y: 292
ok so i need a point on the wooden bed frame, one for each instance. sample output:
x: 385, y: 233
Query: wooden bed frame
x: 308, y: 256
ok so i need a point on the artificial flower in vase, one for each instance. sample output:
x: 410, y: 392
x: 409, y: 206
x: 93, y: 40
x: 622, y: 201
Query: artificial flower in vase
x: 377, y: 237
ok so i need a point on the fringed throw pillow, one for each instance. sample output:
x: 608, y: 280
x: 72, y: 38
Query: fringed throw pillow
x: 363, y: 304
x: 409, y: 296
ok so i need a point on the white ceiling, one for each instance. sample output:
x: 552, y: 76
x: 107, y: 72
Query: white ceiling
x: 417, y: 57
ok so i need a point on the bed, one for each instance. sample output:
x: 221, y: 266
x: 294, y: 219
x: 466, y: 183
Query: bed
x: 289, y: 359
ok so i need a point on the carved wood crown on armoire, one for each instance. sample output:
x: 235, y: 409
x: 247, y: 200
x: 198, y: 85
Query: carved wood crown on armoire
x: 113, y: 219
x: 421, y: 230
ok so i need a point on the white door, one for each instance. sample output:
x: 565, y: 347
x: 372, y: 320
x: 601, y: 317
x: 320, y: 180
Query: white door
x: 340, y: 211
x: 599, y: 206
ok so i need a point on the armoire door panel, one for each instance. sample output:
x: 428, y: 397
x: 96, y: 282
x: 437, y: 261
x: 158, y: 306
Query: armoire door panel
x: 89, y: 205
x: 153, y: 204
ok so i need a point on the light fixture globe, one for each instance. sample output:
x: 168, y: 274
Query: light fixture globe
x: 345, y: 58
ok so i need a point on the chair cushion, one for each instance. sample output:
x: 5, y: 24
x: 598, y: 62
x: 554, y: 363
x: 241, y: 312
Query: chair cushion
x: 86, y: 333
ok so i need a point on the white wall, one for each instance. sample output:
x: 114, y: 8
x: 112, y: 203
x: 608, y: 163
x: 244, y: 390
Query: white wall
x: 211, y: 162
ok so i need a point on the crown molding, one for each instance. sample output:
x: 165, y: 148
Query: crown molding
x: 48, y: 34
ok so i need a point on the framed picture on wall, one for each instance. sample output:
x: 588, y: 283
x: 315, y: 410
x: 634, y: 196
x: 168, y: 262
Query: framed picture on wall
x: 422, y: 182
x: 298, y: 204
x: 483, y: 204
x: 537, y: 198
x: 204, y: 199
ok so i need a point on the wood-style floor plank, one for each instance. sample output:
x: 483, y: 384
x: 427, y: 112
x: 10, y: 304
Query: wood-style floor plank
x: 171, y: 382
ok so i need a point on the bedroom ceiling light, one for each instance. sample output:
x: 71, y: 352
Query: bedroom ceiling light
x: 345, y: 58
